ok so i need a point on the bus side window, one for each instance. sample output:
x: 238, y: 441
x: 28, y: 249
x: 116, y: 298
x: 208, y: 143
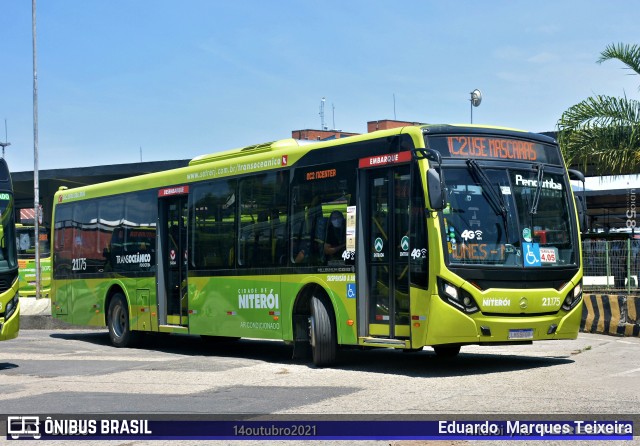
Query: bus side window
x: 213, y: 215
x: 262, y: 201
x: 308, y: 238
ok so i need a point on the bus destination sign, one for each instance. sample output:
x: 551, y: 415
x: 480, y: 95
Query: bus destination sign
x: 384, y: 160
x: 479, y: 146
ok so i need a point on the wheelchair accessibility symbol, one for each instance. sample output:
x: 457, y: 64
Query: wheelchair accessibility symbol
x: 531, y: 254
x: 351, y: 290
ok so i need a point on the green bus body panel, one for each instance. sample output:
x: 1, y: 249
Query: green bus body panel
x: 83, y: 301
x: 251, y: 307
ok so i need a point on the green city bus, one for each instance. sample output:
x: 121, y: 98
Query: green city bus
x: 25, y: 241
x: 9, y: 299
x: 404, y: 238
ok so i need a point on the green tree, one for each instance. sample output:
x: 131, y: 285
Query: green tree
x: 603, y: 132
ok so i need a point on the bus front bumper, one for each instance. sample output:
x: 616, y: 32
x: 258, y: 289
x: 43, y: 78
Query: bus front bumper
x: 449, y: 325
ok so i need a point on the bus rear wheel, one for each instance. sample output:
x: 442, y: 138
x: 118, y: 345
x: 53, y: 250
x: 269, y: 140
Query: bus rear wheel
x: 118, y: 321
x: 447, y: 351
x: 322, y: 332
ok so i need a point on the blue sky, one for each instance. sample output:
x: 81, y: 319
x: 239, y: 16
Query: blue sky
x: 183, y: 78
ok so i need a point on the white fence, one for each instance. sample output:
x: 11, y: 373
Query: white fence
x: 611, y: 265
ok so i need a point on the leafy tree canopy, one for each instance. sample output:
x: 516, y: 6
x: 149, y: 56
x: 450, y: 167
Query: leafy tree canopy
x: 602, y: 133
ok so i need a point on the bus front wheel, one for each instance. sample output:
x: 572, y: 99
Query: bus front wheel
x: 119, y: 330
x: 323, y: 332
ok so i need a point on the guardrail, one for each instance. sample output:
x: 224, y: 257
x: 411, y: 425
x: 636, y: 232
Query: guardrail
x: 614, y: 314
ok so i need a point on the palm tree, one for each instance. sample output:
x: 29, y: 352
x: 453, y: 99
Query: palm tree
x: 603, y: 132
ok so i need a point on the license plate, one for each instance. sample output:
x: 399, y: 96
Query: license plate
x: 524, y: 333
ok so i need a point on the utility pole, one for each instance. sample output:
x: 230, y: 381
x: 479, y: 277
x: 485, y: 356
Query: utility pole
x: 322, y: 114
x: 36, y: 185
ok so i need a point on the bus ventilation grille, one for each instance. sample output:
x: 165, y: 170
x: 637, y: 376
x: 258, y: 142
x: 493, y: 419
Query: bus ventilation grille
x: 4, y: 285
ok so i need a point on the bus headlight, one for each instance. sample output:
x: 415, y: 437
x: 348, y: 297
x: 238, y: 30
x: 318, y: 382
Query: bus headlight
x: 573, y: 297
x: 11, y: 307
x: 457, y: 297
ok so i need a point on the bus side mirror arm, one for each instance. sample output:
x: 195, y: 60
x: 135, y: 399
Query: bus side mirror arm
x: 580, y: 204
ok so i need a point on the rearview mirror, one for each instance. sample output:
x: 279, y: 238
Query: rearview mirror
x: 435, y: 184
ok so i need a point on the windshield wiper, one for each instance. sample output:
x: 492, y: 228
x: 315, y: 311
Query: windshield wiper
x: 496, y: 200
x: 536, y: 197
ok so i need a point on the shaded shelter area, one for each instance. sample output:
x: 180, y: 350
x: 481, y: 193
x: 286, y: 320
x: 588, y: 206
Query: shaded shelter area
x: 52, y: 179
x: 611, y: 209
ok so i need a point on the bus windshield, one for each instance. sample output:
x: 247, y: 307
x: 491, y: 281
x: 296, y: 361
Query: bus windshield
x: 507, y: 217
x: 26, y: 242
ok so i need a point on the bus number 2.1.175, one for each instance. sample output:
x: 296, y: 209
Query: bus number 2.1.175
x: 79, y: 264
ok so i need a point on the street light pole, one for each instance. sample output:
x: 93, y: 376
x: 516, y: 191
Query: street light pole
x: 476, y: 99
x: 5, y: 144
x: 36, y: 186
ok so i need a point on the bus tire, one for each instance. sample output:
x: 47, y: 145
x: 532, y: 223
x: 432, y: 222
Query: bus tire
x: 118, y: 321
x: 446, y: 351
x: 322, y: 332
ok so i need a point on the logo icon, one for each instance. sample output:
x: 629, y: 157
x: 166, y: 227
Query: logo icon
x: 523, y: 303
x: 378, y: 244
x: 351, y: 290
x: 285, y: 159
x: 531, y: 254
x: 404, y: 243
x: 26, y: 426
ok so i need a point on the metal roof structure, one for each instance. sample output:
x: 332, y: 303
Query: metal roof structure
x: 51, y: 180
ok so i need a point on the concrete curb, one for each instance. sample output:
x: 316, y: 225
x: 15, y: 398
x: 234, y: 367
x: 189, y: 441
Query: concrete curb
x: 30, y: 306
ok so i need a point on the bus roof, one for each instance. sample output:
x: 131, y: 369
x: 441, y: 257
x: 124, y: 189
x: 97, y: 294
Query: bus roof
x: 290, y: 143
x: 264, y: 156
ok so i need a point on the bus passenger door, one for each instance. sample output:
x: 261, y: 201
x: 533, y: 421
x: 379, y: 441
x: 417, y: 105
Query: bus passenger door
x: 173, y: 259
x: 383, y: 253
